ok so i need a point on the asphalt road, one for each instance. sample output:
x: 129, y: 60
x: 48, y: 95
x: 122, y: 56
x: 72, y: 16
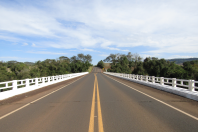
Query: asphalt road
x: 97, y: 103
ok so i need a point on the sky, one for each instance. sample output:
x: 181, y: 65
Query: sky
x: 47, y: 29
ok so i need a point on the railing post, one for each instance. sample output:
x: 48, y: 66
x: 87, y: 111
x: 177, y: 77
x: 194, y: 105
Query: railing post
x: 162, y: 80
x: 6, y: 85
x: 52, y: 78
x: 141, y: 77
x: 191, y: 85
x: 153, y: 79
x: 27, y: 82
x: 36, y: 81
x: 136, y: 77
x: 146, y: 78
x: 48, y: 78
x: 14, y: 84
x: 43, y: 80
x: 174, y: 82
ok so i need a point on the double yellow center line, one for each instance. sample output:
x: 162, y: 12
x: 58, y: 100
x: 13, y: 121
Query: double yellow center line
x: 100, y: 123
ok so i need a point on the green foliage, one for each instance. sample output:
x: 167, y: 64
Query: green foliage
x: 4, y: 74
x: 13, y: 70
x: 100, y: 64
x: 90, y: 69
x: 121, y: 66
x: 121, y: 63
x: 152, y: 66
x: 162, y: 68
x: 192, y: 68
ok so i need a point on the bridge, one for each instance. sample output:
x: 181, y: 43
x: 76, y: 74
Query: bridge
x: 97, y: 102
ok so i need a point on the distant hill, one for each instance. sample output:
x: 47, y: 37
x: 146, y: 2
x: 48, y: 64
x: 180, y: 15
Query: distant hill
x: 181, y: 60
x: 29, y: 63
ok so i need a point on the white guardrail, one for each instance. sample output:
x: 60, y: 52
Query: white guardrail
x: 16, y: 87
x: 185, y: 88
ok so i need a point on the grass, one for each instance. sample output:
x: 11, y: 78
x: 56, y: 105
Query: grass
x: 107, y: 65
x: 90, y: 69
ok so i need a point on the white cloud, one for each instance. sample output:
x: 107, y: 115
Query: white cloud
x: 8, y: 58
x: 111, y: 48
x: 46, y: 52
x: 87, y: 50
x: 165, y: 27
x: 33, y: 45
x: 9, y: 38
x: 19, y: 59
x: 104, y: 55
x: 25, y: 44
x: 91, y: 50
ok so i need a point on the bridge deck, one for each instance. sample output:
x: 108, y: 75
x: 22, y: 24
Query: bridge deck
x: 115, y: 107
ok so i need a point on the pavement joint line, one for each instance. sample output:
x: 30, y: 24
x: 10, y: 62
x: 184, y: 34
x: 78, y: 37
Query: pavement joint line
x: 157, y: 100
x: 36, y: 100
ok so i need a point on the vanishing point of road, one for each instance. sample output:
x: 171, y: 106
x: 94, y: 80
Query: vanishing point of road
x: 98, y: 103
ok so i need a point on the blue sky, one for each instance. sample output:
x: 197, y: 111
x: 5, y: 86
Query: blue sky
x: 39, y: 30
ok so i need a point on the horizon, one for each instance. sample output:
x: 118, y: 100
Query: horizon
x: 110, y: 62
x: 37, y: 30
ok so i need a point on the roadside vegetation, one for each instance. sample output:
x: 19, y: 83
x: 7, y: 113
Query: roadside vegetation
x: 13, y: 70
x: 100, y: 64
x: 133, y: 64
x: 90, y: 69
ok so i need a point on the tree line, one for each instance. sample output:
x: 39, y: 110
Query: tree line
x: 13, y: 70
x: 152, y: 66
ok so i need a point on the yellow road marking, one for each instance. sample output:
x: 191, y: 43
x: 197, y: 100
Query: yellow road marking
x: 91, y: 122
x: 158, y: 100
x: 100, y: 123
x: 34, y: 101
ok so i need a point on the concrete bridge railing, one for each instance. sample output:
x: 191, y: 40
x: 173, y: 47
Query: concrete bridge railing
x: 185, y: 88
x: 16, y: 87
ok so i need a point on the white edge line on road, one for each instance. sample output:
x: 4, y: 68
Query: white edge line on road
x: 157, y: 100
x: 36, y: 100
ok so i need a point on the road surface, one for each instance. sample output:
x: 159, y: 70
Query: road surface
x: 97, y: 103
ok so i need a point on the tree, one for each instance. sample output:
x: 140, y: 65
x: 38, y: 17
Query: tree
x: 17, y: 70
x: 100, y: 64
x: 88, y: 58
x: 65, y: 59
